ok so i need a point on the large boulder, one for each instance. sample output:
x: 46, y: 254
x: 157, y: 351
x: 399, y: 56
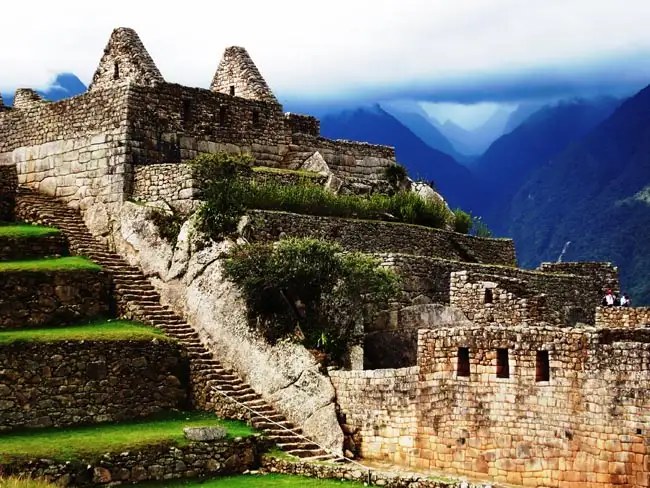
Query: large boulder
x: 190, y: 278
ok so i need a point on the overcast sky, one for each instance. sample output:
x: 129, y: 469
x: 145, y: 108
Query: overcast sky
x: 439, y: 50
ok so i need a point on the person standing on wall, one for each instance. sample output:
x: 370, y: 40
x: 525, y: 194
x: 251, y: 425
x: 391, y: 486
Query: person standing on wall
x: 608, y: 299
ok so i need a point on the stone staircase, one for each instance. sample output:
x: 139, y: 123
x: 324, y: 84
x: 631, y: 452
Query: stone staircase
x: 135, y: 294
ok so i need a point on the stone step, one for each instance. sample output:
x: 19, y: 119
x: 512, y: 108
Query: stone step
x: 264, y: 425
x: 294, y: 446
x: 280, y: 432
x: 307, y: 453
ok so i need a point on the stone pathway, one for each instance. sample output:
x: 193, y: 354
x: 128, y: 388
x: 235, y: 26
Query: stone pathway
x: 137, y: 299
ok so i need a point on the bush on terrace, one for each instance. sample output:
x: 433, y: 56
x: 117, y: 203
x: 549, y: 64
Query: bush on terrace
x: 310, y: 288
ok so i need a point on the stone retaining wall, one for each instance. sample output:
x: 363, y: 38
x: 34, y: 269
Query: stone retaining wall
x: 17, y: 248
x: 381, y: 237
x: 352, y: 472
x: 8, y: 187
x: 154, y: 463
x: 301, y: 124
x: 622, y: 317
x: 72, y: 382
x: 49, y: 298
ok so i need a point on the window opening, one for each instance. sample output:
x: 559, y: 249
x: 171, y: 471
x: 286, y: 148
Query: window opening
x: 222, y: 115
x: 503, y: 364
x: 232, y: 90
x: 187, y: 109
x: 256, y: 117
x: 116, y: 70
x: 489, y: 298
x: 462, y: 368
x: 542, y: 369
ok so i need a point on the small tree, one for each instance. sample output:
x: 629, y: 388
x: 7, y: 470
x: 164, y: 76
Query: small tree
x: 480, y: 228
x: 311, y: 287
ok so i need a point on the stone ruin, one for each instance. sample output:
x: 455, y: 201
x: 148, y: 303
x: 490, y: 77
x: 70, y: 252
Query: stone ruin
x: 481, y: 369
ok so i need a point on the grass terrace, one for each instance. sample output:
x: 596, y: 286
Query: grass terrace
x: 76, y: 443
x: 24, y: 483
x: 26, y: 230
x: 117, y: 330
x: 258, y: 481
x: 70, y: 263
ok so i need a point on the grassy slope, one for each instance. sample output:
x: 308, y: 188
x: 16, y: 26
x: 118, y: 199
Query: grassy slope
x: 70, y: 263
x: 24, y: 483
x: 92, y: 440
x: 97, y: 331
x: 26, y: 230
x: 264, y: 481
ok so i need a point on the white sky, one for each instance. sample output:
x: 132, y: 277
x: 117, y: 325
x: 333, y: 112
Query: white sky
x: 307, y: 48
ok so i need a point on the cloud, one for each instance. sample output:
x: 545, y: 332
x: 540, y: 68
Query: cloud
x: 437, y: 50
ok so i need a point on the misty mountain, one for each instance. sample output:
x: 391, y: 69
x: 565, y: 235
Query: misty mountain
x: 595, y: 194
x: 476, y: 141
x: 511, y: 159
x: 421, y: 126
x: 375, y: 125
x: 521, y: 114
x: 65, y: 85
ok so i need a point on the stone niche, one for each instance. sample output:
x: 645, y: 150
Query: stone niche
x: 67, y: 383
x: 48, y: 298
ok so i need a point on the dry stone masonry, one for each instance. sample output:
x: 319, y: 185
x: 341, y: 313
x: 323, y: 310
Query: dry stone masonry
x: 67, y: 383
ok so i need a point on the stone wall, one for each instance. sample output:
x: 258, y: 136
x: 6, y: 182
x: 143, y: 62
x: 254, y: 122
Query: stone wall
x: 66, y: 383
x: 153, y: 463
x: 302, y: 124
x: 73, y: 149
x: 50, y: 298
x: 605, y: 274
x: 380, y: 237
x: 353, y: 472
x: 34, y: 247
x: 379, y: 408
x: 8, y: 187
x: 622, y: 317
x: 566, y: 411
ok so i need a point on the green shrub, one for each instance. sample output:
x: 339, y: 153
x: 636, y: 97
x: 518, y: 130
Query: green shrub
x: 229, y: 189
x: 480, y: 228
x: 462, y: 221
x: 395, y: 174
x: 169, y: 224
x: 309, y: 288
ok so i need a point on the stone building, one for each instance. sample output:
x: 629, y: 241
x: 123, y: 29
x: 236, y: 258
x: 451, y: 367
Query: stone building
x: 88, y: 149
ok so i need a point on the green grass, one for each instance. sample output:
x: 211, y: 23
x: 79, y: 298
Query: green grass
x: 261, y: 481
x: 70, y: 263
x: 26, y: 230
x: 280, y: 171
x: 76, y: 443
x: 24, y: 483
x: 118, y: 330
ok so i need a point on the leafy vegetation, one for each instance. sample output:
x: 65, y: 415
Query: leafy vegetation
x: 259, y: 481
x: 310, y: 289
x: 229, y: 190
x: 80, y: 442
x: 480, y: 228
x: 395, y: 174
x: 462, y: 221
x: 169, y: 223
x: 97, y: 331
x: 69, y: 263
x: 26, y: 230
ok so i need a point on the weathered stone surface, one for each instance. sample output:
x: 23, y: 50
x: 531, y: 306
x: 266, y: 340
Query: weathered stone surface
x: 67, y: 383
x: 317, y: 164
x: 8, y: 187
x: 192, y: 282
x: 204, y: 434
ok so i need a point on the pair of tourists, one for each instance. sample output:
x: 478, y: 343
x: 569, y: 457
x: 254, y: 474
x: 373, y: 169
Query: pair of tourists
x: 612, y: 300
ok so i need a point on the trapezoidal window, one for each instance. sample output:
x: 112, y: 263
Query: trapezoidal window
x: 256, y: 118
x: 503, y: 364
x: 542, y: 367
x: 116, y: 70
x: 489, y: 297
x: 232, y: 90
x: 462, y: 367
x: 222, y: 115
